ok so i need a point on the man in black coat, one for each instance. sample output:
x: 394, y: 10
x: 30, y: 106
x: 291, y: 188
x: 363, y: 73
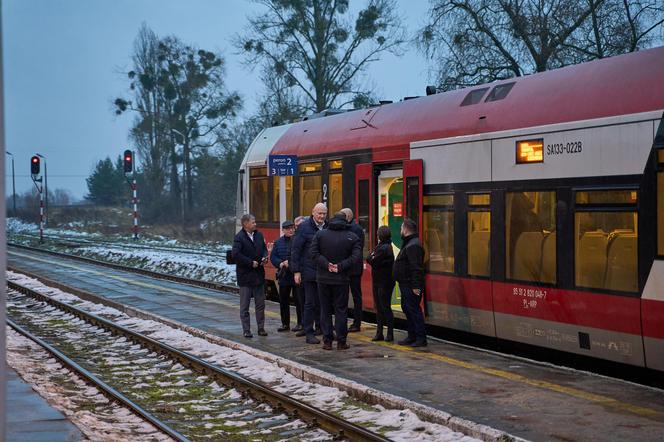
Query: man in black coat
x: 304, y: 269
x: 280, y: 258
x: 408, y: 271
x: 355, y: 273
x: 335, y: 251
x: 250, y: 255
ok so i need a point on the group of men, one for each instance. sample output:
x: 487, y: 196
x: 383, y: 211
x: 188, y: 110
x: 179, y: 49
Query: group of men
x: 319, y: 262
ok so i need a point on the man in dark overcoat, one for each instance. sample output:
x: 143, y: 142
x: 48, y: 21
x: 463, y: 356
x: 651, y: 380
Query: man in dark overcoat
x: 355, y: 273
x: 250, y: 255
x: 280, y: 258
x: 335, y: 251
x: 304, y: 269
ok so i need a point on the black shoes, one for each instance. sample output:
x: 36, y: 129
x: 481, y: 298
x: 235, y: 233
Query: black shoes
x: 354, y: 328
x: 342, y: 346
x: 327, y: 346
x: 247, y: 334
x: 283, y: 328
x: 378, y: 338
x: 419, y: 344
x: 406, y: 341
x: 300, y: 333
x: 297, y: 328
x: 262, y: 332
x: 389, y: 337
x: 312, y: 340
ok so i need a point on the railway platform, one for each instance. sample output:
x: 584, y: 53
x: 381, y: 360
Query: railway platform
x: 30, y: 418
x: 522, y: 398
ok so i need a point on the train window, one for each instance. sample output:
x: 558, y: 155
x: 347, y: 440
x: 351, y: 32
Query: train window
x: 336, y: 164
x: 530, y: 236
x: 660, y: 157
x: 334, y: 200
x: 289, y: 198
x: 606, y: 250
x: 310, y: 167
x: 499, y: 92
x: 363, y: 199
x: 479, y: 199
x: 413, y: 199
x: 474, y: 97
x: 606, y: 197
x: 479, y: 244
x: 258, y: 196
x: 660, y: 213
x: 438, y: 229
x: 310, y: 192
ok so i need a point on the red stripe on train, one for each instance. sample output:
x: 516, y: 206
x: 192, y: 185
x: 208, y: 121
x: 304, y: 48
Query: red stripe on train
x: 653, y: 318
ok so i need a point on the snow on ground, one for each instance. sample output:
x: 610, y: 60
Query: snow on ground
x: 70, y: 394
x: 399, y: 425
x: 203, y: 267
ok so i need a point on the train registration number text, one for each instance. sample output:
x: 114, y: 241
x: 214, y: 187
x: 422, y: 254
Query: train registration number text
x: 564, y: 148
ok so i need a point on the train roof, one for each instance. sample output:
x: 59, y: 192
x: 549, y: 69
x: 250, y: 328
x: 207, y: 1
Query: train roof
x: 620, y: 85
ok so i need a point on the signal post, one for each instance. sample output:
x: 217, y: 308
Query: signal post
x: 128, y: 161
x: 35, y: 169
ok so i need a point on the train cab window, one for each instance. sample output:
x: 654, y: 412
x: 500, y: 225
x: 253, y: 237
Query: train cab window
x: 258, y: 193
x: 438, y: 232
x: 311, y: 186
x: 335, y: 187
x: 479, y: 234
x: 275, y: 198
x: 606, y: 240
x: 474, y: 97
x: 530, y: 236
x: 499, y: 92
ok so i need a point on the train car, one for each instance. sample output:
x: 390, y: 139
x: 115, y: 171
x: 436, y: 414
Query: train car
x: 539, y: 200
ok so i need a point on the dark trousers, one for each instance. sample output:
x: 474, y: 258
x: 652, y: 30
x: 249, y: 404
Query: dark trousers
x: 356, y: 291
x: 382, y: 296
x: 410, y: 304
x: 246, y: 293
x: 311, y: 306
x: 334, y: 300
x: 284, y: 303
x: 298, y: 294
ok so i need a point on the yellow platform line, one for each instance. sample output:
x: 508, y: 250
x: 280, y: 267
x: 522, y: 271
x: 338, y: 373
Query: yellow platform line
x: 569, y: 391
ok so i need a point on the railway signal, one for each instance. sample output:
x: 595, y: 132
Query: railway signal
x: 35, y: 170
x: 128, y: 161
x: 35, y: 164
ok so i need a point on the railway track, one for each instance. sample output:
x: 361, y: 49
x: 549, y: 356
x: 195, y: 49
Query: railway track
x: 178, y: 393
x: 78, y: 241
x: 151, y: 273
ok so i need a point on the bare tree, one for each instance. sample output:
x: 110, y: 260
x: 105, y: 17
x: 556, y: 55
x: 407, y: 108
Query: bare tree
x: 478, y: 41
x: 316, y: 49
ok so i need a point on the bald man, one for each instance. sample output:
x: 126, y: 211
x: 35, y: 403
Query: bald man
x: 304, y: 270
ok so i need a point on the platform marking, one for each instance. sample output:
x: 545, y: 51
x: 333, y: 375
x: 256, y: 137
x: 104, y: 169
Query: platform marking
x: 580, y: 394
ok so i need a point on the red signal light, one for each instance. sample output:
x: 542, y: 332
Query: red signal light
x: 128, y: 161
x: 34, y: 165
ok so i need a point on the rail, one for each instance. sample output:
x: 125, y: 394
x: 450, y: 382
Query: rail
x: 342, y: 429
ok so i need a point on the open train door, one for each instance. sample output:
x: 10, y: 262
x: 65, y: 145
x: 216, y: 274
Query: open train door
x: 413, y: 177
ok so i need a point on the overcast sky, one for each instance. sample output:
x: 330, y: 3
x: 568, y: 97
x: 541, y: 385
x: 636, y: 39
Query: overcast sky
x: 63, y: 61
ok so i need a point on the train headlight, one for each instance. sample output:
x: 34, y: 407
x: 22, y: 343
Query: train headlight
x: 530, y: 151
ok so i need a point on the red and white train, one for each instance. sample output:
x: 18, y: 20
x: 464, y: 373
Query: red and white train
x: 539, y: 199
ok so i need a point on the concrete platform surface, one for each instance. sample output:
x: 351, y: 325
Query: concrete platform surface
x: 526, y: 399
x: 30, y: 418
